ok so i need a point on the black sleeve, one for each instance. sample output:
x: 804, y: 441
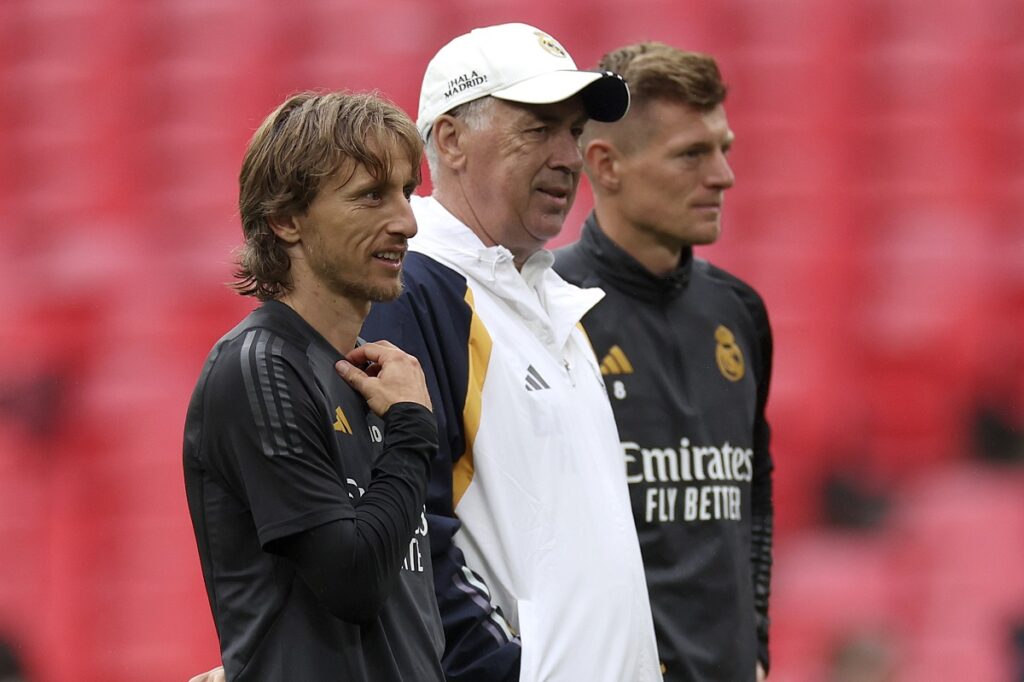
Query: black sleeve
x: 761, y: 486
x: 352, y: 564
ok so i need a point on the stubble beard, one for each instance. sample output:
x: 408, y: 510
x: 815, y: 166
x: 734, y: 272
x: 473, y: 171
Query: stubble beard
x: 341, y: 284
x: 373, y: 294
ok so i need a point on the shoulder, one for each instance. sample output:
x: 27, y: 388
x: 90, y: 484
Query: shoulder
x: 743, y: 292
x: 433, y: 298
x: 250, y: 369
x: 571, y: 263
x: 256, y: 353
x: 426, y: 278
x: 262, y: 343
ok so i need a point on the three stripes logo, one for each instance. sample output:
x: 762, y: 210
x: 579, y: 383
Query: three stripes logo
x: 341, y: 423
x: 616, y: 362
x: 534, y: 381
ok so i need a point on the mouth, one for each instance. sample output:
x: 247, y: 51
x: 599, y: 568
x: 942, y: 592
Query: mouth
x: 391, y: 258
x: 708, y: 207
x: 559, y: 194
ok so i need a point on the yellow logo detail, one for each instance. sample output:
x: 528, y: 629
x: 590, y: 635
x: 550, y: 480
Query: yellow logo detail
x: 728, y: 354
x: 550, y: 44
x: 341, y: 424
x: 616, y: 362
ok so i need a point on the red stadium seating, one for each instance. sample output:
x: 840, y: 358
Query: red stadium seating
x: 878, y: 209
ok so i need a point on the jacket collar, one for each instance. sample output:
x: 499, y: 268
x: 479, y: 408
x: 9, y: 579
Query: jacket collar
x: 545, y: 301
x: 614, y: 265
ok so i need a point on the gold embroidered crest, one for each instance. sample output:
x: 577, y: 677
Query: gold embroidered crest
x: 728, y: 354
x: 550, y: 44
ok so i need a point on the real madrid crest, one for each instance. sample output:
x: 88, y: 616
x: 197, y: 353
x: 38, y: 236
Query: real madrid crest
x: 550, y: 44
x: 728, y: 354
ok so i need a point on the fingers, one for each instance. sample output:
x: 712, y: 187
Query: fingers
x: 353, y: 375
x: 384, y: 375
x: 371, y: 357
x: 371, y: 352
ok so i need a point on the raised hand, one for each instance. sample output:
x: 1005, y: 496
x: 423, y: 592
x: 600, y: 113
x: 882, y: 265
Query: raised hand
x: 384, y: 374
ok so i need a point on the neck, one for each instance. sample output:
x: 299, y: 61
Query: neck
x: 458, y: 204
x: 337, y: 318
x: 659, y: 256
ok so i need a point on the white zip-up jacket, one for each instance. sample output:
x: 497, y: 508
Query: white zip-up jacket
x: 532, y: 532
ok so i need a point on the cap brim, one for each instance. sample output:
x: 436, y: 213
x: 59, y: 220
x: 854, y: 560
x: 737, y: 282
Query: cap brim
x: 605, y: 94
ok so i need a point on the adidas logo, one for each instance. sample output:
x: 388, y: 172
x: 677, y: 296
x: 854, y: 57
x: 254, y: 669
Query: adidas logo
x: 341, y: 423
x: 534, y: 381
x: 616, y: 362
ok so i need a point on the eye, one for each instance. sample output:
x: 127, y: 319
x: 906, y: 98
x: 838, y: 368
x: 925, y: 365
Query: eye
x: 408, y: 190
x: 373, y: 195
x: 577, y: 132
x: 693, y: 153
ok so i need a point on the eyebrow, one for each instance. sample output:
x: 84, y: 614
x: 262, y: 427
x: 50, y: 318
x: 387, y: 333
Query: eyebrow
x: 361, y: 187
x: 549, y: 119
x: 709, y: 144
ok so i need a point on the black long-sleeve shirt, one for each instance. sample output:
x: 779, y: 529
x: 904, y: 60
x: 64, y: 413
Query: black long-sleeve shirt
x: 308, y: 513
x: 686, y: 360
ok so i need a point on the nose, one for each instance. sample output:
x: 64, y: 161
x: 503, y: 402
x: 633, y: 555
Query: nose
x: 565, y: 153
x: 720, y: 174
x: 404, y: 222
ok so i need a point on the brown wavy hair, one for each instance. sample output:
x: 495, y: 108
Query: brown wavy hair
x: 298, y: 146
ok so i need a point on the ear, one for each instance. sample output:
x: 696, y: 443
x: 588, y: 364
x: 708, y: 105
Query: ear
x: 602, y: 159
x: 448, y: 134
x: 286, y: 228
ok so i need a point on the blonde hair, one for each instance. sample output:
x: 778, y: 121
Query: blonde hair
x: 658, y: 71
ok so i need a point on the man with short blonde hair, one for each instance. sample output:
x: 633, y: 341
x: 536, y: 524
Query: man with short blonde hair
x: 686, y: 354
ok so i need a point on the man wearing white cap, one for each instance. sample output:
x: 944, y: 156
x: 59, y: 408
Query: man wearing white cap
x: 536, y: 561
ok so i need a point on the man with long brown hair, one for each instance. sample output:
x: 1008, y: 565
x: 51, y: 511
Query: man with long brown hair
x: 306, y: 453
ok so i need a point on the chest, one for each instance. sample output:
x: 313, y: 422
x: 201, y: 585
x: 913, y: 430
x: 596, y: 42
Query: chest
x: 676, y: 370
x: 542, y: 369
x: 353, y: 435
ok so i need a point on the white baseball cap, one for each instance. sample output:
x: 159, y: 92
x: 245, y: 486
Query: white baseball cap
x: 518, y: 63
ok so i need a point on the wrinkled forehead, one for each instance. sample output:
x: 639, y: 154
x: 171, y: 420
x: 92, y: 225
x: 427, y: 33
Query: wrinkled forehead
x: 570, y: 110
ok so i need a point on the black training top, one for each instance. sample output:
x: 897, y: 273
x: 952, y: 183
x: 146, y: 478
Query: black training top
x: 687, y: 361
x: 288, y: 472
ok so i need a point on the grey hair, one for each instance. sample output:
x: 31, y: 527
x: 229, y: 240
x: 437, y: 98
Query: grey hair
x: 475, y: 114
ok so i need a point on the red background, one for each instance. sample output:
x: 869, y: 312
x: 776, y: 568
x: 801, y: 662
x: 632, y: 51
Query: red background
x: 879, y: 209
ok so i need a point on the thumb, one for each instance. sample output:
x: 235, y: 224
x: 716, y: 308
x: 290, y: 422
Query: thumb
x: 350, y: 373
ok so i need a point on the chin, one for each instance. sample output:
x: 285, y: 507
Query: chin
x: 548, y: 229
x: 705, y: 235
x: 385, y: 294
x: 371, y: 293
